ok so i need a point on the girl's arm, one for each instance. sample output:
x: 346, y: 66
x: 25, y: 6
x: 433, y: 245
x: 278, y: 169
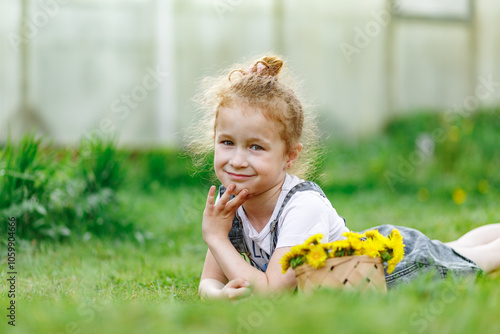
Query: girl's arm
x: 217, y: 221
x: 234, y: 266
x: 214, y: 285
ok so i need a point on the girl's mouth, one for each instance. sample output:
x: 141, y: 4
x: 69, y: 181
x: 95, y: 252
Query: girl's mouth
x: 236, y: 176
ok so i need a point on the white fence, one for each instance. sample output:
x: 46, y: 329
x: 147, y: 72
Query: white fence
x: 76, y: 68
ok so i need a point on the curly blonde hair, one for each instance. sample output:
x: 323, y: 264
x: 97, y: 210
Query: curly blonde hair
x: 259, y: 86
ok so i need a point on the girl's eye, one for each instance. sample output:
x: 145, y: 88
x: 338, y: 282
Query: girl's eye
x: 256, y: 147
x: 227, y: 142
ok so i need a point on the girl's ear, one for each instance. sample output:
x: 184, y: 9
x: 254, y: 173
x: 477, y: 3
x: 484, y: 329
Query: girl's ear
x: 293, y: 155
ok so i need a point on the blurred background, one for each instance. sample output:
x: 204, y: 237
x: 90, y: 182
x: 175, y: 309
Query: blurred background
x: 96, y: 97
x: 88, y: 68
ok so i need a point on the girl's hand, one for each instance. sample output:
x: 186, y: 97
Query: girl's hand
x: 236, y: 289
x: 218, y: 218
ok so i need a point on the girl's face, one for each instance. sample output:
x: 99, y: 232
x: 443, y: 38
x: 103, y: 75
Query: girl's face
x: 249, y: 151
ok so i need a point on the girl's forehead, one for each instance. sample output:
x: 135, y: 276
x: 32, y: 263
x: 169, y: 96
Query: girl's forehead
x: 240, y: 120
x: 239, y: 113
x: 251, y: 111
x: 236, y: 115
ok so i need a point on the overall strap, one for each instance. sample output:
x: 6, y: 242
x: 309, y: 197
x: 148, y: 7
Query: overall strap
x: 303, y: 186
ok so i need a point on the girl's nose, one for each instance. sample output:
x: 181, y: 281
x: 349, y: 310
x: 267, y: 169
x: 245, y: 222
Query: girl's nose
x: 238, y: 159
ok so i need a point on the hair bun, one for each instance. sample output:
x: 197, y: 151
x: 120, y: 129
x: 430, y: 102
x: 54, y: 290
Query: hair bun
x: 267, y: 66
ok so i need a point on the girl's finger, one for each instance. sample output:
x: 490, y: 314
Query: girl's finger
x: 239, y: 282
x: 239, y: 293
x: 238, y: 200
x: 210, y: 197
x: 227, y: 194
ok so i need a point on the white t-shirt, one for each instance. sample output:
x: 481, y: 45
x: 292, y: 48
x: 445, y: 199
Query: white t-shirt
x: 307, y: 213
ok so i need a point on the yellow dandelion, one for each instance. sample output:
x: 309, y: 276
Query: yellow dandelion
x: 398, y: 251
x: 390, y: 266
x: 314, y: 239
x: 459, y: 196
x: 397, y: 246
x: 316, y: 256
x: 371, y: 247
x: 379, y: 238
x: 354, y: 240
x: 370, y: 233
x: 352, y: 235
x: 396, y: 236
x: 360, y: 251
x: 337, y: 246
x: 356, y: 244
x: 330, y: 249
x: 301, y: 249
x: 287, y: 258
x: 374, y: 234
x: 397, y: 256
x: 285, y: 262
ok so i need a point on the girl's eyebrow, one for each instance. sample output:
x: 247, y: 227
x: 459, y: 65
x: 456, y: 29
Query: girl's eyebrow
x: 258, y: 139
x: 250, y: 139
x: 222, y: 134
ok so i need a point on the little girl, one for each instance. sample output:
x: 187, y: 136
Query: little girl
x: 263, y: 144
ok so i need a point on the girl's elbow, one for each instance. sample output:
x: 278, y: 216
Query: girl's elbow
x: 209, y: 288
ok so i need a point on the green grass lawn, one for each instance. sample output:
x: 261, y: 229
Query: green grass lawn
x: 147, y: 282
x: 113, y: 286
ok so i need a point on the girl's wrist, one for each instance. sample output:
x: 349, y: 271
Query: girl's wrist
x: 213, y: 239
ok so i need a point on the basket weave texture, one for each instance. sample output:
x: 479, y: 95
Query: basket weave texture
x: 348, y: 272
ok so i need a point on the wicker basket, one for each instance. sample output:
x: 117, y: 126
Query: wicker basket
x: 351, y: 272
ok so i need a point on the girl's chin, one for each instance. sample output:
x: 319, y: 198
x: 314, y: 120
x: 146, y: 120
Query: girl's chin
x: 236, y: 190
